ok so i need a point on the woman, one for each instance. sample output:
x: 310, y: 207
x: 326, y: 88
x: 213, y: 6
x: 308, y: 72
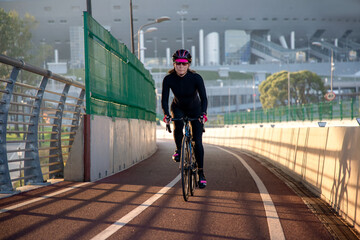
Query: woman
x: 189, y: 100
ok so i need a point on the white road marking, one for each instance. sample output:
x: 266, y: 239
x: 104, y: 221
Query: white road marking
x: 131, y: 215
x: 42, y: 197
x: 275, y: 228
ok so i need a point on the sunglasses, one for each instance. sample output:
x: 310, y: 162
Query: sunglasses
x: 181, y: 63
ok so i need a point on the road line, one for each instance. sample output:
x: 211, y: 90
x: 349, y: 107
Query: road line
x: 131, y: 215
x: 42, y: 197
x: 275, y: 228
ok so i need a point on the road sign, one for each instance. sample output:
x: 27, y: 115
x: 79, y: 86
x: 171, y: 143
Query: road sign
x: 330, y: 96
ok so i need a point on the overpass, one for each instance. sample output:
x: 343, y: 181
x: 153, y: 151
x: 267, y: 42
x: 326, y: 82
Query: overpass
x: 264, y: 182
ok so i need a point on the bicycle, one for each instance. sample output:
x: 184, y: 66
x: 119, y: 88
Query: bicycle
x: 188, y: 164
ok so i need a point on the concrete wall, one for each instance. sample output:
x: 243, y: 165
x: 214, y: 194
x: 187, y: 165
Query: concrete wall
x: 326, y: 160
x: 74, y: 167
x: 115, y: 144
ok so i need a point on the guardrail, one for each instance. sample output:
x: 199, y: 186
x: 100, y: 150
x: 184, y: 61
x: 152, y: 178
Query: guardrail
x: 38, y: 120
x: 343, y: 109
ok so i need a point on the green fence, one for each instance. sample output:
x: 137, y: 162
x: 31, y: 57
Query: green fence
x: 117, y: 84
x: 323, y: 111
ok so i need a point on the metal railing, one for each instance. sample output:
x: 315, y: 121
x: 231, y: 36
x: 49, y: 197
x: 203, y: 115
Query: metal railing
x: 340, y: 110
x: 38, y: 120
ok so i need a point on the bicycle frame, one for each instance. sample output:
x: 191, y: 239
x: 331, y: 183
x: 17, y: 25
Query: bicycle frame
x: 187, y: 133
x: 188, y: 164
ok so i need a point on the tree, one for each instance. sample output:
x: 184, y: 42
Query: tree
x: 15, y: 40
x: 305, y: 87
x: 15, y: 33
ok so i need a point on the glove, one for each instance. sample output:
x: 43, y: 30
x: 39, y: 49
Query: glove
x: 166, y: 119
x: 203, y: 118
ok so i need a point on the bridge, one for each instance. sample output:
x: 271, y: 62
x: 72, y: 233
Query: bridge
x: 91, y: 163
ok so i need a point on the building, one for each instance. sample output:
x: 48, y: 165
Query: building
x: 248, y: 36
x: 237, y: 47
x: 278, y: 29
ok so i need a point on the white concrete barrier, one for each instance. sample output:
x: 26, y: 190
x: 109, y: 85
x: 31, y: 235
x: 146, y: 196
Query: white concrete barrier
x: 115, y: 144
x: 326, y: 160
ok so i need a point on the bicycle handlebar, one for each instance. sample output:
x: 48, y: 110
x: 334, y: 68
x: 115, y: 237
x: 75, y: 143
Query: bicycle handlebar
x: 185, y: 119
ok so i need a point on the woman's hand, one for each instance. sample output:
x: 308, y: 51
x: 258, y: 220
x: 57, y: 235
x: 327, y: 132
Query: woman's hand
x: 203, y: 118
x: 166, y: 119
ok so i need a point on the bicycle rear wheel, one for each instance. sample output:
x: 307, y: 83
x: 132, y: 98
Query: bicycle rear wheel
x: 185, y: 168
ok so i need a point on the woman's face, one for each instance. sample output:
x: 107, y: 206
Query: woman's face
x: 181, y: 68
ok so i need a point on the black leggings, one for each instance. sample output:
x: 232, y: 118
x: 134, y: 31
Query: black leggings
x: 197, y: 131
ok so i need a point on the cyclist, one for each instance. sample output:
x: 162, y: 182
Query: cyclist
x: 189, y: 100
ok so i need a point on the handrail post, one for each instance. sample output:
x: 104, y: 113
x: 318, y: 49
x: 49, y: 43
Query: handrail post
x: 32, y: 167
x: 320, y: 111
x: 331, y: 110
x: 76, y: 116
x: 287, y: 114
x: 56, y: 149
x: 5, y: 180
x: 341, y: 110
x: 303, y: 112
x: 273, y: 115
x: 280, y: 113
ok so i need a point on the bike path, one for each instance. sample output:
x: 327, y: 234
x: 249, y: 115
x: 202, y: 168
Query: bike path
x: 230, y: 207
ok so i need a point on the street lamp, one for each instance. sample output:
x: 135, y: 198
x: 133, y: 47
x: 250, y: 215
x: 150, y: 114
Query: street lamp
x: 140, y: 35
x: 332, y: 65
x: 150, y: 29
x: 182, y: 13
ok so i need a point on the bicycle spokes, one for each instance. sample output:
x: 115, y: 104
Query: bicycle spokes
x: 185, y: 168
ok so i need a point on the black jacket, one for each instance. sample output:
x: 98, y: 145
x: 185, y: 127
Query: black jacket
x: 189, y: 92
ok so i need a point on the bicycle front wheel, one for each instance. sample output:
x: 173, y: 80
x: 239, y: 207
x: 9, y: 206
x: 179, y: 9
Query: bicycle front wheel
x: 185, y: 168
x: 193, y: 171
x: 192, y: 182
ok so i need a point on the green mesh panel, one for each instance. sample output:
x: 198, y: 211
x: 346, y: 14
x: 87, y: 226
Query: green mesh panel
x: 346, y: 109
x: 117, y: 84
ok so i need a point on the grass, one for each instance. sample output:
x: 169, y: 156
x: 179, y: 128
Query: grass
x: 13, y: 137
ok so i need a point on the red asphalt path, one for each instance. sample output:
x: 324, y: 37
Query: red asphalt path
x: 230, y: 207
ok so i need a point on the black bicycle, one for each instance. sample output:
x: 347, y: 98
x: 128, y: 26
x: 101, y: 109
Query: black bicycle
x: 188, y: 164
